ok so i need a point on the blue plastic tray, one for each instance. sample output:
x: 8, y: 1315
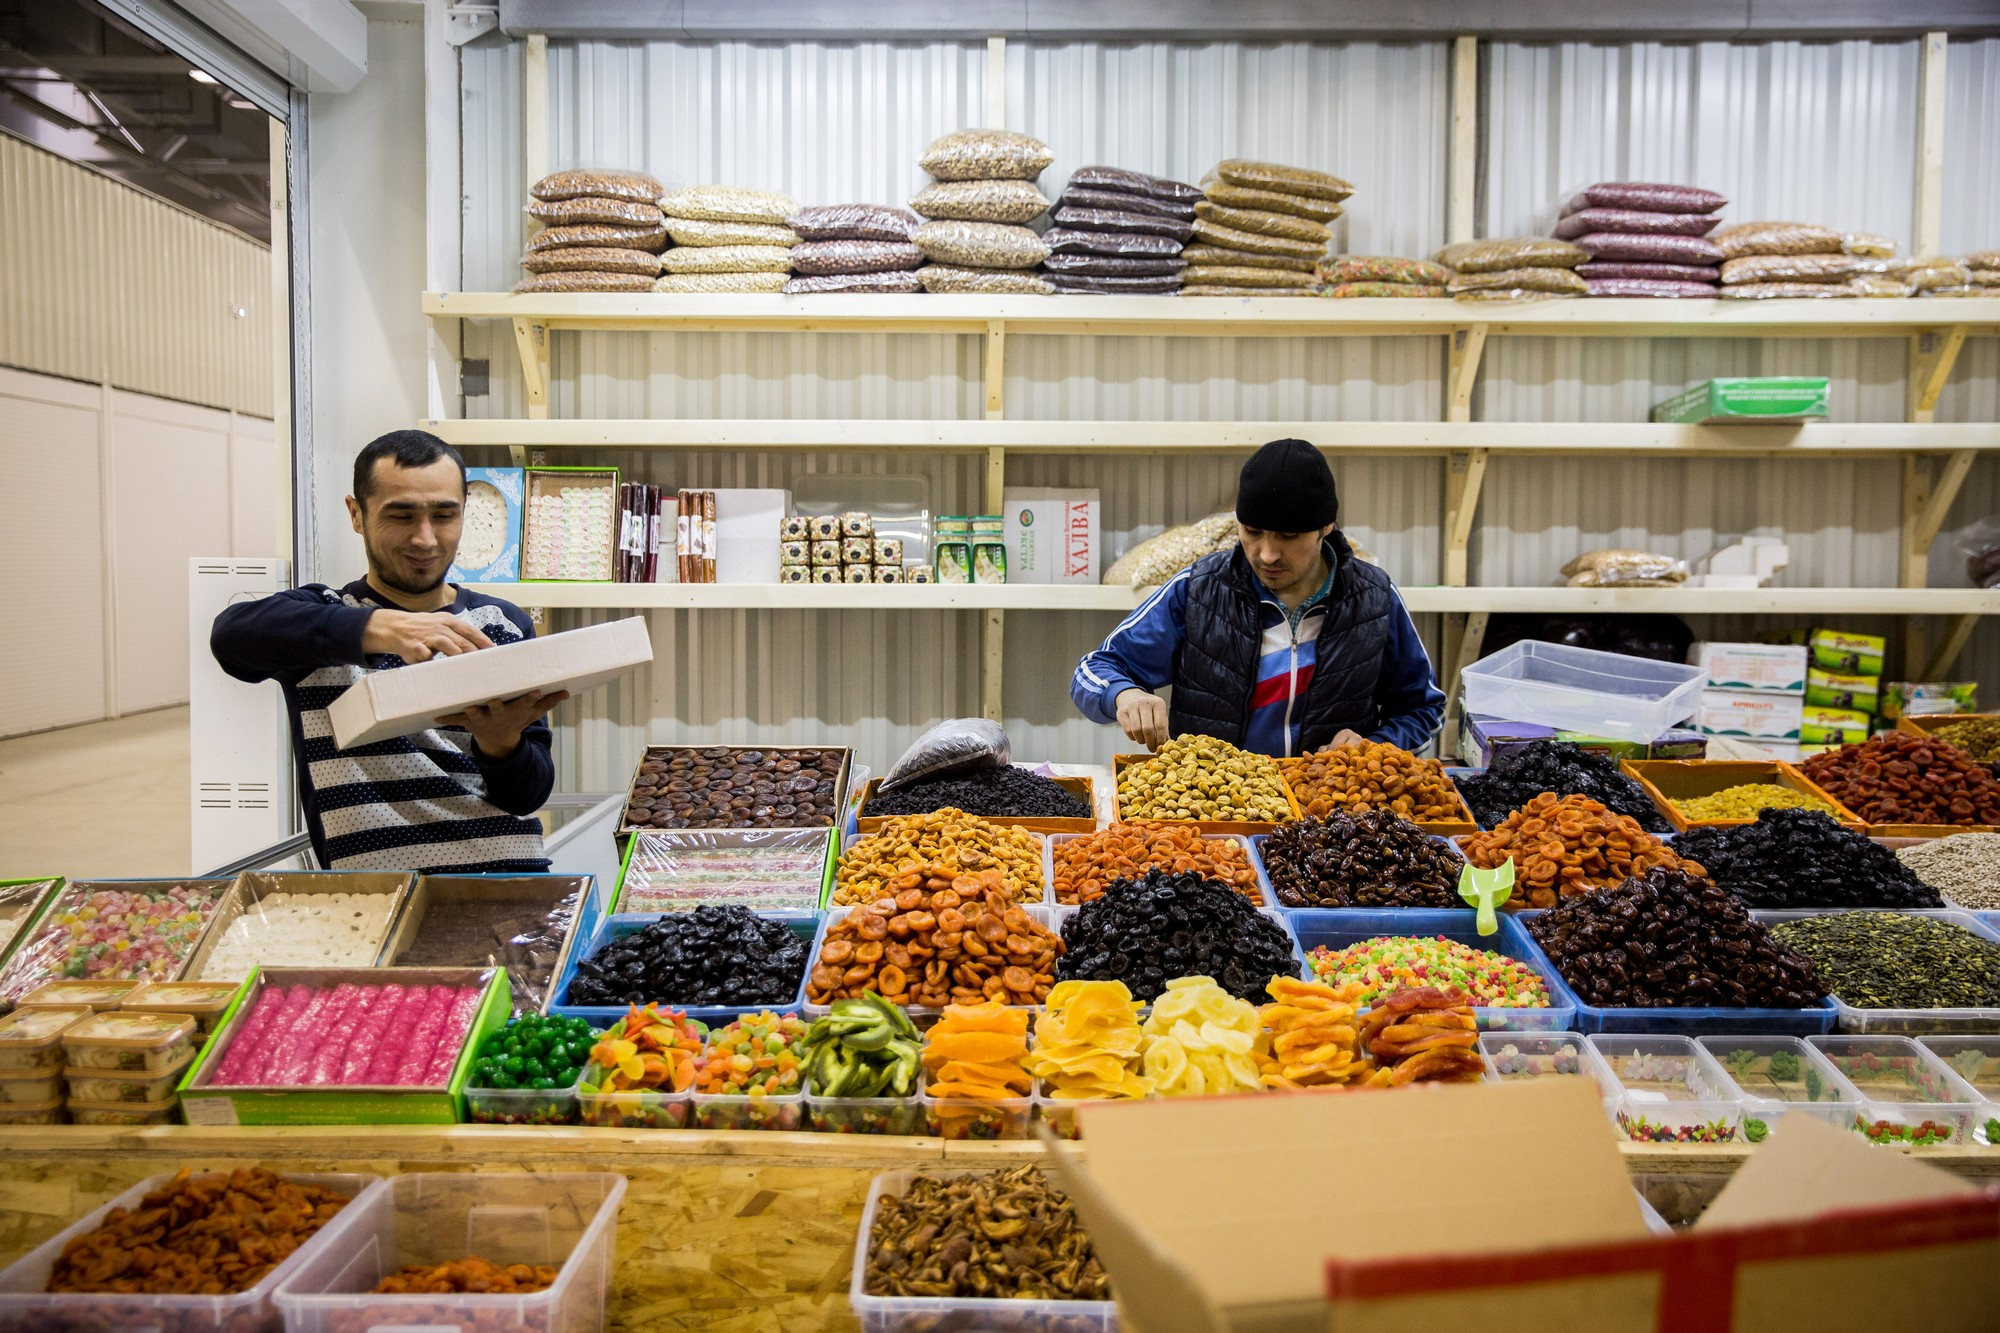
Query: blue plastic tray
x: 1689, y: 1022
x: 806, y: 925
x: 1336, y: 928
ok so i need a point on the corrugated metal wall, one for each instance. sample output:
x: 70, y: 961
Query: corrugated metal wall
x: 104, y: 283
x: 1823, y: 130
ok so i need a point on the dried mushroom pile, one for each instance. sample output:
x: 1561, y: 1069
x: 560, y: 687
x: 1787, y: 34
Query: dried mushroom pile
x: 987, y: 1235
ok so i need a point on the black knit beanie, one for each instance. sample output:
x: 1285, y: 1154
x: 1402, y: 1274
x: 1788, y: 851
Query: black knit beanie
x: 1287, y: 487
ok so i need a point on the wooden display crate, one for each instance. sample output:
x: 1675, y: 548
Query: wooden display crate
x: 1925, y: 723
x: 1668, y: 780
x: 1119, y: 763
x: 252, y: 886
x: 1080, y: 787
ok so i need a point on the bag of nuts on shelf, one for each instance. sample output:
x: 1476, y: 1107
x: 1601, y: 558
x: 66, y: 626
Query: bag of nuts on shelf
x: 725, y: 203
x: 602, y: 184
x: 853, y: 222
x: 1546, y: 279
x: 1281, y: 179
x: 1015, y: 201
x: 902, y: 280
x: 584, y: 282
x: 1789, y: 268
x: 1776, y: 238
x: 592, y: 259
x: 1610, y: 568
x: 972, y: 155
x: 602, y: 212
x: 990, y: 281
x: 1645, y: 196
x: 653, y: 237
x: 692, y: 231
x: 717, y: 283
x: 1157, y: 559
x: 1493, y: 256
x: 977, y: 245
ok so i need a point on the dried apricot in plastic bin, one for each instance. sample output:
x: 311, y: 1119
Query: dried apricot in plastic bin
x: 720, y: 283
x: 1559, y: 280
x: 693, y: 231
x: 945, y: 278
x: 606, y: 212
x: 970, y: 155
x: 1776, y: 238
x: 1284, y: 179
x: 1270, y: 201
x: 991, y: 245
x: 652, y: 237
x: 592, y: 259
x: 1789, y: 268
x: 1491, y: 256
x: 585, y: 282
x: 1015, y: 201
x: 854, y: 222
x: 826, y: 258
x: 725, y: 203
x: 727, y: 259
x: 1260, y: 223
x: 587, y: 181
x: 1647, y: 195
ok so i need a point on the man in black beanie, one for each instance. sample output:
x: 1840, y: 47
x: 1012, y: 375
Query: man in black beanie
x: 1285, y: 645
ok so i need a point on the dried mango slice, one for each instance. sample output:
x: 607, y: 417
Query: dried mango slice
x: 1087, y: 1044
x: 978, y: 1052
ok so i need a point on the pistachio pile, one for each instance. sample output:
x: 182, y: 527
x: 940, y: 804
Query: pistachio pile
x: 1201, y: 777
x: 985, y: 1234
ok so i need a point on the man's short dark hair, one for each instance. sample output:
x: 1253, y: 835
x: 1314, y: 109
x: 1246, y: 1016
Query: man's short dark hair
x: 410, y: 448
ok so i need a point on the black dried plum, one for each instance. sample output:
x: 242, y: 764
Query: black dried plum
x: 710, y: 956
x: 1012, y: 792
x: 1802, y: 858
x: 1525, y: 772
x: 1146, y: 932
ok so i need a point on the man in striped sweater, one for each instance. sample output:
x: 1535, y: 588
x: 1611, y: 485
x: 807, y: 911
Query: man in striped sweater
x: 459, y: 798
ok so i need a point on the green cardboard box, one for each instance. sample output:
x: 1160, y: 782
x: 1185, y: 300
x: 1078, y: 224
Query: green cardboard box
x: 1834, y: 689
x: 342, y: 1104
x: 1756, y: 399
x: 1910, y: 698
x: 1849, y: 654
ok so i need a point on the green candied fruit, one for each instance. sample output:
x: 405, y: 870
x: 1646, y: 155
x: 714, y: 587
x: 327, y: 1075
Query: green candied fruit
x: 1755, y: 1130
x: 1785, y: 1066
x: 1815, y: 1085
x: 1993, y: 1132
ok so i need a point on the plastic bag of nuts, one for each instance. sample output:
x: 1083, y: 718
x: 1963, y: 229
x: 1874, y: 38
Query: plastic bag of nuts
x: 1203, y: 778
x: 1374, y: 775
x: 1562, y: 846
x: 945, y: 837
x: 1087, y: 865
x: 937, y: 935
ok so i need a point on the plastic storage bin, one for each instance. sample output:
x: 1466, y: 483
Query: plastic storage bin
x: 1778, y: 1075
x: 1578, y: 689
x: 725, y: 1111
x: 123, y: 1113
x: 949, y: 1314
x: 1907, y: 1022
x: 1513, y: 1056
x: 864, y: 1115
x: 203, y: 1001
x: 651, y: 1109
x: 31, y: 1039
x: 566, y: 1221
x: 1252, y: 843
x: 806, y: 925
x: 1338, y: 927
x: 98, y: 995
x: 963, y: 1118
x: 1670, y: 1090
x: 1909, y: 1096
x: 24, y: 1303
x: 132, y: 1043
x: 1976, y: 1059
x: 30, y: 1086
x: 126, y: 1086
x: 522, y: 1106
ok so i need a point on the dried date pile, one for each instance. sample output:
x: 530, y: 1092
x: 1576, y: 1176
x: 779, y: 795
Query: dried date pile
x: 1011, y: 793
x: 1146, y: 932
x: 986, y: 1235
x: 1520, y: 775
x: 1801, y: 858
x: 1670, y: 940
x: 710, y: 956
x: 1369, y: 859
x: 721, y: 787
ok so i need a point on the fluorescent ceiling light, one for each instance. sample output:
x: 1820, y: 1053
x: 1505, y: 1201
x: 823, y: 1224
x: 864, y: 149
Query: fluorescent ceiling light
x: 200, y: 76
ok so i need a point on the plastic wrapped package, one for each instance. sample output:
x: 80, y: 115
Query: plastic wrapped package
x: 1776, y: 238
x: 592, y: 259
x: 1930, y: 273
x: 853, y: 222
x: 727, y: 203
x: 1631, y: 222
x: 1120, y: 202
x: 1157, y: 559
x: 765, y: 870
x: 695, y: 232
x: 1103, y: 286
x: 1515, y: 294
x: 1214, y: 256
x: 1134, y: 182
x: 1984, y: 259
x: 1232, y: 276
x: 703, y: 284
x: 1099, y: 219
x: 1880, y: 285
x: 1558, y: 280
x: 1645, y: 196
x: 114, y: 930
x: 585, y: 282
x: 945, y: 278
x: 1382, y: 289
x: 1789, y: 268
x: 1270, y: 201
x: 1981, y: 547
x: 1614, y: 268
x: 581, y: 182
x: 1282, y: 179
x: 1070, y: 241
x: 1110, y: 266
x: 1492, y: 256
x: 494, y: 921
x: 902, y: 280
x: 727, y: 259
x: 1867, y: 245
x: 1773, y: 291
x: 653, y: 237
x: 1229, y: 238
x: 1014, y: 201
x: 1662, y: 287
x: 1969, y: 289
x: 1613, y: 567
x: 1383, y: 268
x: 1651, y: 249
x: 977, y: 155
x: 1258, y: 293
x: 1983, y: 277
x: 605, y: 212
x: 955, y: 745
x: 1259, y: 223
x: 976, y: 245
x: 824, y: 258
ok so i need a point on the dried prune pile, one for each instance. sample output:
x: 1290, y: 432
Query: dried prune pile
x: 1371, y: 859
x: 1011, y: 792
x: 1667, y: 939
x: 1147, y: 931
x: 710, y: 956
x: 1801, y: 858
x: 1520, y: 775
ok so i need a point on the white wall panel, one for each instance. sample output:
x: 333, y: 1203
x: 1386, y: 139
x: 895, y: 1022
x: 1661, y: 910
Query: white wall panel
x: 255, y: 480
x: 1972, y: 147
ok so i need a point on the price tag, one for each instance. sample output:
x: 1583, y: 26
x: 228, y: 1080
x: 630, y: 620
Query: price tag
x: 209, y: 1110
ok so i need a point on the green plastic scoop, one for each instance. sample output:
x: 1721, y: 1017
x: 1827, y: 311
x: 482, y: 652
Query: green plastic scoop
x: 1486, y: 890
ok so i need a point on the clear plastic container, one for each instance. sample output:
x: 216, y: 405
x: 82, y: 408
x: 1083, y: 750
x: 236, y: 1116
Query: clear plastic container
x: 651, y: 1109
x: 25, y: 1304
x: 1909, y: 1096
x: 765, y: 870
x: 48, y: 1112
x: 963, y: 1118
x: 1251, y: 843
x: 786, y: 1111
x: 954, y: 1314
x: 85, y: 1112
x: 561, y: 1220
x: 1579, y: 689
x: 1059, y: 1113
x: 1517, y: 1056
x: 865, y: 1115
x: 1670, y: 1090
x: 203, y: 1001
x: 1779, y: 1075
x: 1976, y: 1059
x: 140, y: 1043
x: 1337, y: 928
x: 31, y: 1039
x: 1907, y: 1022
x: 522, y: 1106
x: 806, y: 925
x: 29, y: 1087
x: 102, y: 996
x: 126, y: 1086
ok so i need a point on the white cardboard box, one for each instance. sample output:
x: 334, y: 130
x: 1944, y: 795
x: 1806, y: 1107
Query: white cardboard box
x: 746, y: 534
x: 1751, y: 714
x: 1752, y: 666
x: 1053, y: 536
x: 410, y: 699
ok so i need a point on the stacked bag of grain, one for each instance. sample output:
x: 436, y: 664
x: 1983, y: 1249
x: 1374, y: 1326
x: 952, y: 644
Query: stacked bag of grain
x: 1119, y: 231
x: 983, y: 191
x: 1513, y: 268
x: 1778, y: 260
x: 1645, y: 239
x: 1982, y: 270
x: 1937, y: 276
x: 854, y: 248
x: 602, y: 232
x: 1381, y: 275
x: 1260, y: 229
x: 727, y: 240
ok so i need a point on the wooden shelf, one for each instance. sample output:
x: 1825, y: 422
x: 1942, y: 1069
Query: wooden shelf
x: 1176, y: 316
x: 1099, y: 598
x: 1149, y: 437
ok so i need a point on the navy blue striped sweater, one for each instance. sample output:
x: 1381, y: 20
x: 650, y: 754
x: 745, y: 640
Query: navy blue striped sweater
x: 428, y: 802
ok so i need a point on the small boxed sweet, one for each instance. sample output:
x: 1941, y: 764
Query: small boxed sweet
x: 121, y: 1113
x: 825, y: 574
x: 989, y: 562
x: 31, y: 1039
x: 794, y: 574
x: 571, y: 531
x: 1052, y: 535
x: 888, y: 573
x: 300, y: 919
x: 889, y: 551
x: 1838, y: 689
x: 1752, y: 666
x: 857, y: 525
x: 142, y: 1043
x: 105, y: 1087
x: 857, y: 551
x: 1834, y: 726
x: 917, y: 574
x: 795, y: 528
x: 954, y: 561
x: 100, y: 996
x: 130, y: 930
x: 823, y: 528
x: 203, y: 1001
x: 48, y: 1112
x: 31, y: 1087
x: 489, y: 542
x: 857, y: 573
x: 794, y: 552
x: 1911, y: 698
x: 825, y: 553
x: 1854, y: 654
x: 1751, y: 715
x: 1773, y: 399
